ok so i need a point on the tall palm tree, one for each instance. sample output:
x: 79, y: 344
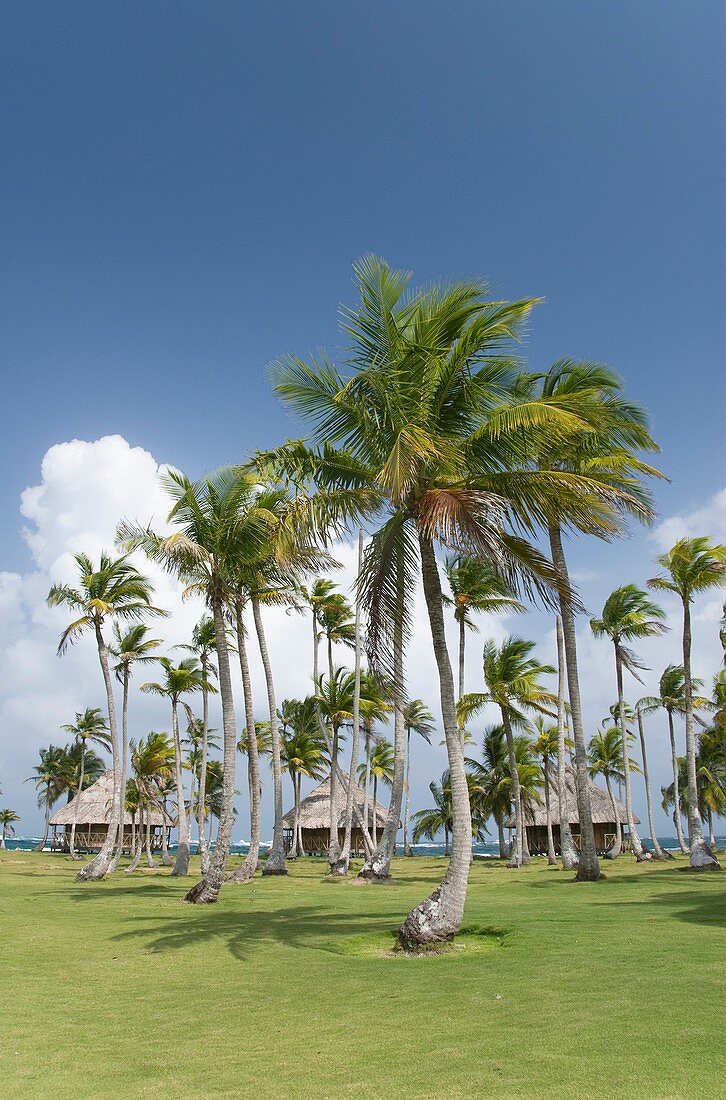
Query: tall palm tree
x: 417, y: 718
x: 493, y: 776
x: 375, y: 706
x: 475, y: 587
x: 113, y: 592
x: 89, y: 728
x: 381, y: 770
x: 628, y: 614
x: 50, y: 779
x: 604, y: 454
x: 692, y: 566
x: 303, y: 755
x: 198, y: 743
x: 426, y: 420
x: 568, y: 851
x: 129, y: 647
x: 178, y: 680
x: 247, y: 868
x: 334, y: 698
x: 7, y: 822
x: 512, y: 679
x: 545, y: 747
x: 605, y: 754
x: 203, y: 646
x: 153, y: 760
x: 336, y: 624
x: 439, y: 818
x: 658, y: 851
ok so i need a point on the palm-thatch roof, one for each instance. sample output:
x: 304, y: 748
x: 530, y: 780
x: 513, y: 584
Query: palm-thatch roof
x: 602, y: 810
x: 94, y: 806
x: 315, y: 809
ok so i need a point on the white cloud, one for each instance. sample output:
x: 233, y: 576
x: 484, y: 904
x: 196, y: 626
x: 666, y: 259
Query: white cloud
x: 707, y: 520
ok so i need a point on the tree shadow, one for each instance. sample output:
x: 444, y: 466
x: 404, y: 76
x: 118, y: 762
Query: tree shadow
x: 696, y: 907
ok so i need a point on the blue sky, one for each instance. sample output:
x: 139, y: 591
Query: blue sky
x: 184, y: 188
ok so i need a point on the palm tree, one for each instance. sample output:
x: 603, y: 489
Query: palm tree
x: 692, y: 566
x: 198, y: 743
x: 381, y: 770
x: 336, y: 624
x: 568, y: 851
x: 627, y: 615
x: 303, y: 754
x: 153, y: 760
x: 712, y: 776
x: 605, y: 754
x: 512, y: 678
x: 475, y: 586
x: 203, y: 646
x: 427, y: 421
x: 604, y: 455
x: 334, y: 698
x: 417, y: 718
x: 375, y: 706
x: 115, y: 591
x: 439, y: 818
x: 89, y: 728
x: 181, y: 679
x: 545, y: 747
x: 658, y: 852
x: 493, y: 777
x: 50, y: 779
x: 130, y: 648
x: 7, y: 820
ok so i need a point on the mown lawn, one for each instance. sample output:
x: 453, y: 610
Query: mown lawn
x: 116, y: 989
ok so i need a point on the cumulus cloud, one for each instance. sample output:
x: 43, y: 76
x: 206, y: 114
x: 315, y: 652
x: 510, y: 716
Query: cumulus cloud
x: 710, y: 519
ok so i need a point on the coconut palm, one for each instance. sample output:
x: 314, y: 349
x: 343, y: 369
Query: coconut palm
x: 568, y: 851
x: 382, y: 765
x: 129, y: 647
x: 7, y: 822
x: 417, y: 718
x: 246, y: 870
x: 336, y: 624
x: 493, y: 776
x: 712, y: 776
x: 475, y: 587
x: 545, y: 747
x: 429, y: 422
x: 51, y: 782
x: 604, y: 454
x: 303, y: 753
x: 439, y: 818
x: 334, y: 699
x: 113, y: 592
x: 200, y: 739
x: 692, y: 566
x: 153, y: 760
x: 178, y: 680
x: 89, y: 728
x: 203, y: 646
x: 512, y: 678
x: 658, y: 851
x: 605, y: 755
x: 628, y: 615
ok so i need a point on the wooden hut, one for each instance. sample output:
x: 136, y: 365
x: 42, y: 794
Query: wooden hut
x: 315, y: 819
x: 602, y: 815
x: 94, y: 811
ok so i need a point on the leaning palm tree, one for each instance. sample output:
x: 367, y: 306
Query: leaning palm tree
x: 545, y: 747
x: 203, y: 646
x: 114, y: 592
x: 7, y: 822
x: 178, y: 680
x: 417, y: 718
x: 628, y: 614
x: 475, y: 587
x: 49, y: 777
x: 428, y: 420
x: 605, y: 755
x: 89, y: 728
x: 692, y: 566
x: 512, y: 679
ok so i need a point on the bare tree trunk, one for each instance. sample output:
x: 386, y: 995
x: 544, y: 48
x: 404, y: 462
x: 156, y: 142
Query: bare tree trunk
x: 165, y: 857
x: 551, y: 856
x: 149, y: 856
x: 639, y: 851
x: 702, y: 858
x: 439, y: 916
x: 202, y: 791
x: 462, y: 647
x: 74, y: 855
x: 181, y: 866
x: 676, y: 788
x: 116, y: 858
x: 568, y: 850
x: 711, y: 836
x: 136, y: 854
x: 407, y: 851
x: 658, y: 852
x: 333, y: 844
x: 97, y: 868
x: 46, y: 829
x: 366, y: 792
x: 275, y: 862
x: 503, y: 852
x: 617, y: 847
x: 516, y: 858
x: 342, y: 865
x: 245, y: 872
x: 206, y: 891
x: 588, y: 867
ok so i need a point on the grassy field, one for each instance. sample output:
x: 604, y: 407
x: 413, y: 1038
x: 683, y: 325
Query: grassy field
x: 285, y: 989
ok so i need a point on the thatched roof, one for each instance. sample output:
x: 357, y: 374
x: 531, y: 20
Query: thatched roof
x: 94, y: 806
x: 315, y: 809
x: 602, y: 811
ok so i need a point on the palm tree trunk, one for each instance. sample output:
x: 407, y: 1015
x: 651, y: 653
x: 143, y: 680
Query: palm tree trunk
x: 517, y: 857
x: 407, y: 851
x: 78, y: 799
x: 658, y: 852
x: 366, y: 792
x: 202, y: 787
x: 702, y: 858
x: 568, y: 850
x: 637, y: 845
x: 247, y: 868
x: 617, y: 847
x: 551, y: 857
x: 711, y: 837
x: 149, y: 857
x: 588, y: 867
x: 165, y: 857
x: 181, y: 866
x: 503, y: 852
x: 206, y: 891
x: 300, y: 845
x: 138, y: 846
x: 446, y: 841
x: 116, y: 858
x: 439, y: 916
x: 462, y: 647
x: 676, y: 788
x: 333, y: 845
x: 97, y: 868
x: 275, y: 862
x: 46, y: 829
x: 342, y: 865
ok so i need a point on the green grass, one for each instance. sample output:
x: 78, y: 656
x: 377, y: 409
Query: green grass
x: 287, y: 988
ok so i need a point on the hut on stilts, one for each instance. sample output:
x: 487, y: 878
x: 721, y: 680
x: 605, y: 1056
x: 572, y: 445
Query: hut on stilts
x: 94, y: 812
x: 314, y: 820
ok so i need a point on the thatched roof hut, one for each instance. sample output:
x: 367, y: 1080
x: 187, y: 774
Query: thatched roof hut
x: 315, y: 817
x: 94, y: 812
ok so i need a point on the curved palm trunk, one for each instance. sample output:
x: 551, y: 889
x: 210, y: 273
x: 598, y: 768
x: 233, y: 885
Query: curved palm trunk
x: 711, y: 835
x: 181, y: 866
x: 658, y: 852
x: 275, y: 862
x: 439, y: 916
x: 46, y: 828
x: 342, y: 865
x: 551, y: 856
x: 568, y: 849
x: 246, y: 870
x: 676, y: 788
x: 202, y: 789
x: 516, y: 858
x: 617, y: 847
x: 407, y: 851
x: 78, y: 798
x: 124, y: 753
x: 97, y: 868
x: 702, y: 858
x: 588, y: 866
x: 206, y: 891
x: 637, y: 845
